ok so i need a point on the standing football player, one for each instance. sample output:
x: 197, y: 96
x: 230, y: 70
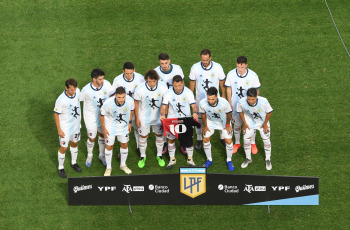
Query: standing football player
x: 129, y: 79
x: 216, y: 115
x: 204, y: 75
x: 116, y: 118
x: 178, y: 102
x: 67, y: 118
x: 166, y: 72
x: 148, y: 98
x: 255, y: 112
x: 238, y: 81
x: 94, y: 95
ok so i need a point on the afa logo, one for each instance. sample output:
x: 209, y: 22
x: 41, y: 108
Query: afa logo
x: 193, y: 181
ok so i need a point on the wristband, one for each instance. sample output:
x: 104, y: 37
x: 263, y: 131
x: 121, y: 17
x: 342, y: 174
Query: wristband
x: 130, y: 122
x: 228, y: 125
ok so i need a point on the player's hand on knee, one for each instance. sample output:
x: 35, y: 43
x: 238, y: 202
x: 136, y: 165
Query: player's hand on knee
x: 265, y: 128
x: 105, y: 133
x: 244, y: 129
x: 138, y: 123
x: 61, y: 133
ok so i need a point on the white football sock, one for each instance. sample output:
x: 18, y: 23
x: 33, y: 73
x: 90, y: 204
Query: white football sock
x: 252, y: 139
x: 143, y: 146
x: 237, y: 133
x: 267, y: 147
x: 123, y: 156
x: 101, y: 146
x: 229, y: 152
x: 74, y: 153
x: 90, y: 147
x: 171, y: 149
x: 199, y: 134
x: 207, y: 150
x: 61, y: 157
x: 159, y: 145
x: 189, y: 152
x: 247, y: 149
x: 108, y: 155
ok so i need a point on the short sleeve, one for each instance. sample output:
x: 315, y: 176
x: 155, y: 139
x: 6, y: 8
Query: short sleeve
x: 112, y: 89
x: 191, y: 97
x: 221, y: 74
x: 228, y: 108
x: 193, y: 75
x: 165, y: 99
x: 268, y: 107
x: 201, y: 108
x: 181, y: 73
x: 256, y: 82
x: 228, y: 80
x: 58, y: 106
x: 137, y: 94
x: 132, y: 105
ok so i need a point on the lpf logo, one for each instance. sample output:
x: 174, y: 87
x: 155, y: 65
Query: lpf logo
x: 193, y: 181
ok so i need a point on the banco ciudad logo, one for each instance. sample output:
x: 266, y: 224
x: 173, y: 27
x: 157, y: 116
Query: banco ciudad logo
x: 193, y: 181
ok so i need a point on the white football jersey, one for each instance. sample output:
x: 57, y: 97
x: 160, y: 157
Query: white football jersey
x: 150, y: 101
x: 129, y: 86
x: 167, y: 77
x: 116, y: 116
x: 69, y: 112
x: 254, y: 115
x: 206, y: 78
x: 216, y: 115
x: 93, y: 99
x: 240, y: 84
x: 179, y: 104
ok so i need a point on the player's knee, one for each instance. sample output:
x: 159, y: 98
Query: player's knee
x: 92, y: 139
x: 228, y: 141
x: 124, y: 145
x: 206, y: 139
x: 63, y: 149
x: 206, y: 145
x: 73, y: 144
x: 109, y: 147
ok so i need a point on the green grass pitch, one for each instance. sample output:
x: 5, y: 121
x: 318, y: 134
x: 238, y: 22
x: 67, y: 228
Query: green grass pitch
x: 292, y: 46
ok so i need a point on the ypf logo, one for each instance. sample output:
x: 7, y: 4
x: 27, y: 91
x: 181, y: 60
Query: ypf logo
x: 193, y: 181
x: 280, y: 188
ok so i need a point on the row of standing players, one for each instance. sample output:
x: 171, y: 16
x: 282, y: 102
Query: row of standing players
x: 109, y: 111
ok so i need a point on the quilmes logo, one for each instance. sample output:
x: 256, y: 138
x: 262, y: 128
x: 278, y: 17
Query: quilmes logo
x: 193, y: 181
x: 250, y: 188
x: 299, y: 188
x: 81, y: 188
x: 128, y: 188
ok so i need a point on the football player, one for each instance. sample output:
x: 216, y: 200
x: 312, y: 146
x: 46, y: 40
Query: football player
x: 67, y: 118
x: 255, y: 112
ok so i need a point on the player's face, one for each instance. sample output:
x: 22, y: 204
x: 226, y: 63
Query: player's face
x: 151, y: 82
x: 178, y: 86
x: 213, y: 99
x: 241, y: 68
x: 128, y: 73
x: 71, y: 90
x: 99, y: 81
x: 205, y: 60
x: 120, y: 98
x: 251, y: 100
x: 165, y: 64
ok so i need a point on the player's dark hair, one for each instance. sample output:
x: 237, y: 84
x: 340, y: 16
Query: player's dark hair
x: 151, y: 74
x: 72, y: 82
x: 128, y: 65
x: 163, y: 56
x: 120, y: 90
x: 242, y: 60
x: 212, y: 91
x: 97, y: 73
x: 252, y: 92
x: 177, y: 78
x: 206, y: 52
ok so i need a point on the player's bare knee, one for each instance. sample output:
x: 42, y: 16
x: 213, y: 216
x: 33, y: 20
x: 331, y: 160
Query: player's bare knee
x: 206, y: 139
x: 109, y: 147
x: 143, y: 136
x: 228, y: 141
x: 63, y: 149
x: 73, y: 144
x: 124, y: 145
x: 171, y: 141
x: 92, y: 139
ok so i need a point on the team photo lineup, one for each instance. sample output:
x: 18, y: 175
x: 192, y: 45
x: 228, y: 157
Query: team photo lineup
x: 161, y: 101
